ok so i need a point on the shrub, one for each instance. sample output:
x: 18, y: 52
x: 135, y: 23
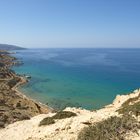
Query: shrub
x: 47, y: 121
x: 114, y: 128
x: 131, y: 100
x: 58, y: 115
x: 63, y: 115
x: 133, y: 109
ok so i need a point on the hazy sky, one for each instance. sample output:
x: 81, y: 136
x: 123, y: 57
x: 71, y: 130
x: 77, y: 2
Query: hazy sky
x: 70, y: 23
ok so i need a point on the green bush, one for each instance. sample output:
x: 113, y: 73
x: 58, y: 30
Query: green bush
x: 47, y: 121
x: 114, y: 128
x: 58, y: 115
x: 63, y: 115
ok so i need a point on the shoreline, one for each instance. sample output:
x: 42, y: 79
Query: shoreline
x: 15, y: 105
x: 23, y: 114
x: 18, y: 92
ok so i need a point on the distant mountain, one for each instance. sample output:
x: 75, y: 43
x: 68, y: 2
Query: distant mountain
x: 10, y: 47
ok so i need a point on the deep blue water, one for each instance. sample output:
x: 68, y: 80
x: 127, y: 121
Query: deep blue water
x: 89, y: 78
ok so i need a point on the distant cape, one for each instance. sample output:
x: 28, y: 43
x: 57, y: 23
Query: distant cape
x: 10, y: 47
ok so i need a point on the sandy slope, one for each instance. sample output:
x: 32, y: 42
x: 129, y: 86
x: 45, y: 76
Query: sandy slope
x: 66, y: 129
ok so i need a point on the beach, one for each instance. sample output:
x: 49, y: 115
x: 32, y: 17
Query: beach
x: 14, y: 105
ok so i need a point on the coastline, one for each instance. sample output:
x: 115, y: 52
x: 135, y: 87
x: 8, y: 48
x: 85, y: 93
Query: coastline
x: 18, y: 92
x: 23, y: 114
x: 14, y: 105
x: 69, y: 128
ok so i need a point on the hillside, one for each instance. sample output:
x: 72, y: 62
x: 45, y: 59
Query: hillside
x: 10, y: 47
x: 114, y: 122
x: 14, y: 106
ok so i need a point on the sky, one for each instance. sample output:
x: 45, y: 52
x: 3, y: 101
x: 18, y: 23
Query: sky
x: 70, y: 23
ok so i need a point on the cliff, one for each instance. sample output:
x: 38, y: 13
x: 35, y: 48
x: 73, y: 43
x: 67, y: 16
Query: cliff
x: 70, y: 128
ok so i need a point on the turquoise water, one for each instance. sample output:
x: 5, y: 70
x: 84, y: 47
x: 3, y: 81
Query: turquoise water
x: 88, y: 78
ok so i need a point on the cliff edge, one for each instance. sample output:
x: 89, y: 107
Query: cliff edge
x: 70, y: 128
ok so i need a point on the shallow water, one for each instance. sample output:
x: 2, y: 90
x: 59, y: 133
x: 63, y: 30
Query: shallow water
x: 89, y: 78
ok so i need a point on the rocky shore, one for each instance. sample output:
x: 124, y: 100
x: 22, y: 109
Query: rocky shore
x: 14, y: 106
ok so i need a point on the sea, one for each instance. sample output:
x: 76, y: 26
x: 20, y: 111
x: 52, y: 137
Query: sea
x: 89, y: 78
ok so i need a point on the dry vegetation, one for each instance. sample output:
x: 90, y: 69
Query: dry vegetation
x: 115, y: 128
x: 131, y: 106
